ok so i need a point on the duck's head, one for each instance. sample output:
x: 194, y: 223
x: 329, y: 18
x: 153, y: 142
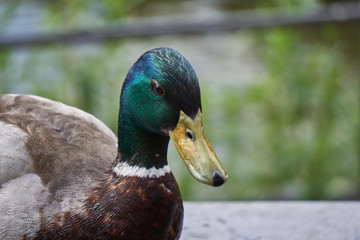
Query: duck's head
x: 160, y: 100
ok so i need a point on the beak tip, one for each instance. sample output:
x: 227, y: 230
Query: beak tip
x: 218, y: 180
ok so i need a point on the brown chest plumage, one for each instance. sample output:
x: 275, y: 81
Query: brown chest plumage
x: 123, y: 208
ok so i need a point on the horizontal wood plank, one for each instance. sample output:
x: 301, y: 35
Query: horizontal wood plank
x: 272, y: 220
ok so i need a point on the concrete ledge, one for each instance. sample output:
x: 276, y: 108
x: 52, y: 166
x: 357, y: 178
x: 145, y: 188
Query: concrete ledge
x: 272, y: 221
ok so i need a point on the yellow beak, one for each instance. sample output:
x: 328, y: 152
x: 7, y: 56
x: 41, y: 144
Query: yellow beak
x: 196, y: 151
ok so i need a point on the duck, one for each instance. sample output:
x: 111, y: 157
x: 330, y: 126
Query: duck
x: 65, y: 175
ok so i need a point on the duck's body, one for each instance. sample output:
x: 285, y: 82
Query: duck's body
x: 64, y: 175
x: 86, y: 200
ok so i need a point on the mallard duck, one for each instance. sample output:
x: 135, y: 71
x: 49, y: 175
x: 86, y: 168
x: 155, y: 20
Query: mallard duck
x: 64, y: 174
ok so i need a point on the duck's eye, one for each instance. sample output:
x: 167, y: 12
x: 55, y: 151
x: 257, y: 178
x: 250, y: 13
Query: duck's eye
x: 190, y: 134
x: 157, y: 88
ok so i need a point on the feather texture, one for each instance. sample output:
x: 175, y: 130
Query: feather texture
x: 51, y: 156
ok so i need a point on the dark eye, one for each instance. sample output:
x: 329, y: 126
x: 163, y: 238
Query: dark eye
x: 157, y: 88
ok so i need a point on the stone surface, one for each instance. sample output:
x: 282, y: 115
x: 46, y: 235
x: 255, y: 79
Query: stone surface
x: 272, y: 221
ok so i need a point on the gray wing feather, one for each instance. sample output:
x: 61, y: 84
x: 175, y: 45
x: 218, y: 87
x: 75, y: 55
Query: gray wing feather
x: 61, y: 144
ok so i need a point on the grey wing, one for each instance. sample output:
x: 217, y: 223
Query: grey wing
x: 51, y: 139
x: 45, y: 147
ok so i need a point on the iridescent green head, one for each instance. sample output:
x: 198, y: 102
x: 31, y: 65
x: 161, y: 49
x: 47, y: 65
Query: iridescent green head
x: 161, y: 99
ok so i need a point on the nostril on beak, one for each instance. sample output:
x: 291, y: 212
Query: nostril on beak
x: 217, y: 179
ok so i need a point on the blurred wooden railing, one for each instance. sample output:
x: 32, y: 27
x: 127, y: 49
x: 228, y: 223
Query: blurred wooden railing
x: 336, y: 12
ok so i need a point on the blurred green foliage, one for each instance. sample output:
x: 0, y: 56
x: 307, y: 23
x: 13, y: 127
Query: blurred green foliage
x: 292, y: 132
x: 295, y: 133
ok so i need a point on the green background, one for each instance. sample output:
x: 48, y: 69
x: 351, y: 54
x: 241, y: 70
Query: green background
x: 281, y: 104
